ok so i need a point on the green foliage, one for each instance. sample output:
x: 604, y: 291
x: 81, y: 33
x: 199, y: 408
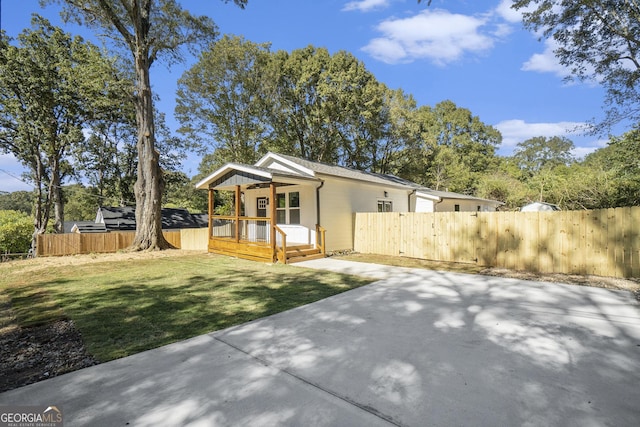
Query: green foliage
x: 21, y: 201
x: 16, y: 230
x: 180, y: 192
x: 147, y: 31
x: 505, y: 188
x: 598, y: 40
x: 450, y: 150
x: 220, y: 100
x: 50, y: 90
x: 618, y: 169
x: 81, y: 203
x: 540, y: 152
x: 306, y: 103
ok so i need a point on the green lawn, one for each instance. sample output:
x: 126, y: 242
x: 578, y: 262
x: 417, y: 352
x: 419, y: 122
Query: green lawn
x: 124, y: 306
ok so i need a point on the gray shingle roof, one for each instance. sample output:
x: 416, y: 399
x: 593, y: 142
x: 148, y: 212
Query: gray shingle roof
x: 385, y: 179
x: 124, y: 218
x: 341, y: 171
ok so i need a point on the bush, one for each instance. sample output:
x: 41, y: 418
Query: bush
x: 16, y: 231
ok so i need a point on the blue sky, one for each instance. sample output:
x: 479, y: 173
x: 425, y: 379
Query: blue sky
x: 472, y: 52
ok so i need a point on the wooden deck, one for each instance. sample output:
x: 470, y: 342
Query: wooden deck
x: 262, y: 251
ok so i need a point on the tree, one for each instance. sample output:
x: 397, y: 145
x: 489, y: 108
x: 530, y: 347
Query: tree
x: 397, y: 133
x: 541, y: 152
x: 598, y: 40
x: 48, y: 85
x: 326, y: 108
x: 619, y: 168
x: 21, y: 201
x: 81, y: 203
x: 180, y: 192
x: 220, y: 100
x: 450, y: 150
x: 147, y: 30
x: 16, y: 229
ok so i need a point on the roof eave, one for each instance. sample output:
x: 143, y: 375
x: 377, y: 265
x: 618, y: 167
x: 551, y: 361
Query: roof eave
x: 204, y: 183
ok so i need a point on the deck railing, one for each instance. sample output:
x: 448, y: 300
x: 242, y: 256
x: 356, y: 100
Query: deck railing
x: 321, y: 239
x: 245, y: 229
x: 281, y: 245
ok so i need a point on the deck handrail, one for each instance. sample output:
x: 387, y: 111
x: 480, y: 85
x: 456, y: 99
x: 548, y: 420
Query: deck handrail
x: 244, y: 218
x: 283, y: 248
x: 320, y: 238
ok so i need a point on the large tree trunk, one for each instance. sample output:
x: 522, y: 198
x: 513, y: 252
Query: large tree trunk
x: 41, y: 208
x: 55, y: 191
x: 149, y: 185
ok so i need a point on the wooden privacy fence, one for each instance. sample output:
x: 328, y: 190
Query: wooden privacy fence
x: 75, y: 243
x: 602, y: 242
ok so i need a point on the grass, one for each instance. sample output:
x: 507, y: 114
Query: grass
x: 127, y: 306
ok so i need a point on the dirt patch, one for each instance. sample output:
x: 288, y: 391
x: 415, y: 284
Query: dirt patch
x: 29, y: 355
x: 43, y: 263
x: 35, y: 354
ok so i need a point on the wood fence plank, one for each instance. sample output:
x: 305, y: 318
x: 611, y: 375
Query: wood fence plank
x: 635, y: 242
x: 603, y: 242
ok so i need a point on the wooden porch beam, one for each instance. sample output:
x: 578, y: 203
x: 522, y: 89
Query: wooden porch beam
x: 238, y: 206
x: 211, y: 209
x: 272, y: 229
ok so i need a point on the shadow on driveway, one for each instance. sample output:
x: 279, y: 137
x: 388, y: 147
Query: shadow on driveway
x: 415, y: 348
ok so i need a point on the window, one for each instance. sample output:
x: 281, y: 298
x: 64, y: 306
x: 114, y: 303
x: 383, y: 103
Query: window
x: 456, y: 208
x: 478, y: 208
x: 281, y: 211
x: 385, y: 206
x: 294, y: 207
x: 290, y: 210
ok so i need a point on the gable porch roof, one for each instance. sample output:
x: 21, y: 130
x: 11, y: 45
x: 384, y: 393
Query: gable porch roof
x: 232, y: 174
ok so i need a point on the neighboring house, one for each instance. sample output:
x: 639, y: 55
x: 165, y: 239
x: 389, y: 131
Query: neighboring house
x: 111, y: 218
x: 303, y: 199
x: 539, y: 207
x: 88, y: 227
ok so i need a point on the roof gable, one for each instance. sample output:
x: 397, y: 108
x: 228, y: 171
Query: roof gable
x: 285, y: 163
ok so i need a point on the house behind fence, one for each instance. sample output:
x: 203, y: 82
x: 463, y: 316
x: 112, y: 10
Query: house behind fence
x: 602, y: 242
x: 114, y: 230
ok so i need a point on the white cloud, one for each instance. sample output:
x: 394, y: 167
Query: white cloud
x: 436, y: 35
x: 585, y: 149
x: 505, y: 11
x: 515, y: 131
x: 365, y: 5
x: 546, y: 62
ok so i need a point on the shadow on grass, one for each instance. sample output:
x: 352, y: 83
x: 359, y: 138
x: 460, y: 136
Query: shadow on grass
x: 123, y: 312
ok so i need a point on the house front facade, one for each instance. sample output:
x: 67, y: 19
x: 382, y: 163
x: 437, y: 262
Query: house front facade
x: 288, y: 208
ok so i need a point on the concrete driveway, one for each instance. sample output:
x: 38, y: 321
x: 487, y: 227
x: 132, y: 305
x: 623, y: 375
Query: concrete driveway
x: 416, y: 348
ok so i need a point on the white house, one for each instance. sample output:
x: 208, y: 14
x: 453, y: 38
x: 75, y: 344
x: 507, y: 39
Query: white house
x: 306, y: 199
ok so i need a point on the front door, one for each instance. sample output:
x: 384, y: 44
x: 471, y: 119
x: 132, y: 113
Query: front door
x: 261, y: 226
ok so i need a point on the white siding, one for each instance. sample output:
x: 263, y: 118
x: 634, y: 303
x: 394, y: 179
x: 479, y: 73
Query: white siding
x: 341, y: 198
x: 421, y: 204
x: 448, y: 205
x: 305, y: 231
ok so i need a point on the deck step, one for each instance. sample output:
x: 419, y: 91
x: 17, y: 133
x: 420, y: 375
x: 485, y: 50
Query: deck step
x: 299, y: 253
x: 295, y: 259
x: 302, y: 252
